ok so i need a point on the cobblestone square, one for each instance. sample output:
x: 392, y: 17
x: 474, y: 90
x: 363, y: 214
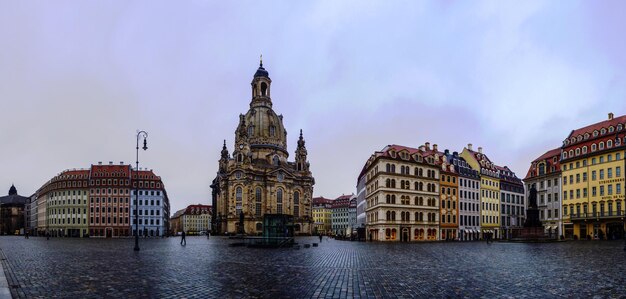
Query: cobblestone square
x: 109, y: 268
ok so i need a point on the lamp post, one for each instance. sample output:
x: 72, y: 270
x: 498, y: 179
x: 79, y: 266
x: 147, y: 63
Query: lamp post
x: 145, y: 147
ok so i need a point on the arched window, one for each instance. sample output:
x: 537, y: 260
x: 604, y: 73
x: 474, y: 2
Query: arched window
x: 393, y: 183
x: 584, y: 149
x: 609, y: 144
x: 279, y: 201
x: 264, y: 89
x: 601, y: 145
x: 272, y: 130
x: 416, y: 171
x: 296, y: 204
x: 258, y: 202
x: 388, y: 167
x: 238, y: 200
x: 393, y: 168
x: 250, y: 131
x: 393, y: 216
x: 388, y: 183
x: 388, y: 215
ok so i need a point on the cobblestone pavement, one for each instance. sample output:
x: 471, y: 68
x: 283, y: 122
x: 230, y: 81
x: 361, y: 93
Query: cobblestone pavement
x: 97, y: 268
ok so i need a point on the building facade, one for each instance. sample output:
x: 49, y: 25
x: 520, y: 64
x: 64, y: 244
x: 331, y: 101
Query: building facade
x: 258, y: 179
x: 196, y: 219
x: 448, y: 194
x: 95, y: 202
x: 34, y: 214
x: 469, y: 198
x: 512, y: 202
x: 489, y: 190
x: 361, y: 203
x: 402, y: 187
x: 67, y: 195
x: 592, y: 161
x: 545, y: 175
x: 153, y: 204
x: 340, y: 215
x: 322, y: 216
x: 12, y: 209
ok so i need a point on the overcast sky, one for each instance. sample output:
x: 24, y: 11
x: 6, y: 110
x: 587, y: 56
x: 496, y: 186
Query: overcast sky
x: 77, y: 79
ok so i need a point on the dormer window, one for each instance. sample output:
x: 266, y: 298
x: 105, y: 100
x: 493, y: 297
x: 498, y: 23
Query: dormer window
x: 595, y: 133
x: 571, y: 153
x: 586, y: 136
x: 577, y: 151
x: 611, y: 129
x: 593, y: 147
x: 584, y: 149
x: 580, y: 138
x: 603, y: 131
x: 620, y: 127
x: 601, y: 145
x: 609, y: 143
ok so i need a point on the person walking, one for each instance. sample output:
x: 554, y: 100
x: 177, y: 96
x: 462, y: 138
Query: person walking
x: 182, y: 239
x: 320, y: 238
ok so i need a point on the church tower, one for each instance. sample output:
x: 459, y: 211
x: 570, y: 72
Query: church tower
x: 259, y: 179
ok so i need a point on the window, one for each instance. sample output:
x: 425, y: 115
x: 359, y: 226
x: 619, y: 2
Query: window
x: 279, y: 201
x: 258, y: 202
x: 296, y: 204
x: 238, y: 200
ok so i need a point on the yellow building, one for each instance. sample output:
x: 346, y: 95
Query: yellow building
x: 322, y: 214
x: 489, y: 190
x: 196, y: 219
x: 592, y: 161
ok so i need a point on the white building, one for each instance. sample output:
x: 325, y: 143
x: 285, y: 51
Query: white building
x: 340, y: 215
x: 153, y: 206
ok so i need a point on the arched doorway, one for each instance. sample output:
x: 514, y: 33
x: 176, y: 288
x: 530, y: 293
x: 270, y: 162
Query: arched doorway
x: 405, y: 235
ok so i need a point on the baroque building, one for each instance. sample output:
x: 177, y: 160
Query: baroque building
x: 592, y: 161
x: 402, y: 187
x: 258, y: 179
x: 545, y: 175
x: 322, y: 216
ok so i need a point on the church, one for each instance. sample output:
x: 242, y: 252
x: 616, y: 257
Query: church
x: 258, y: 179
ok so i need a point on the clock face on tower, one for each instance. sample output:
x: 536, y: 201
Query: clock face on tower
x: 241, y: 146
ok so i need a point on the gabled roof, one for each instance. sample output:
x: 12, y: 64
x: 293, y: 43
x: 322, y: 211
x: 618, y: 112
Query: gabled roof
x: 548, y: 158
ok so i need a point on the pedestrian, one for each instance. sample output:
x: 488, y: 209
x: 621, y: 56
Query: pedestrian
x: 182, y: 239
x: 47, y: 235
x: 26, y: 235
x: 208, y: 235
x: 320, y: 238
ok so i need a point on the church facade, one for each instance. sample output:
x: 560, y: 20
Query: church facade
x: 258, y: 179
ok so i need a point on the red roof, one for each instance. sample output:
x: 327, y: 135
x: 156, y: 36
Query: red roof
x: 321, y: 201
x: 598, y: 126
x: 479, y: 156
x: 108, y: 170
x: 342, y: 202
x: 548, y: 157
x: 197, y: 209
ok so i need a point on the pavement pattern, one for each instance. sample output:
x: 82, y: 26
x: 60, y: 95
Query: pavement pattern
x: 109, y: 268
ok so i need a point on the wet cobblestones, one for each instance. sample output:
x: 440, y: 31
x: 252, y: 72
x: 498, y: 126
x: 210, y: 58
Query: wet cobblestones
x: 97, y: 268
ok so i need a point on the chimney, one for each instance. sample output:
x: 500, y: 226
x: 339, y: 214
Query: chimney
x: 121, y: 162
x: 469, y: 146
x: 110, y: 162
x: 480, y: 149
x: 434, y: 147
x: 456, y: 154
x: 610, y: 115
x: 447, y: 152
x: 427, y: 146
x: 422, y: 148
x: 99, y: 162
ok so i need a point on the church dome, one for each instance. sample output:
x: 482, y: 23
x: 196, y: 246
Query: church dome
x: 265, y: 128
x: 261, y: 72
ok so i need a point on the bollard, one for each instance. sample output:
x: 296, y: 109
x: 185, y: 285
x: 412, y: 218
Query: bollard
x: 314, y: 244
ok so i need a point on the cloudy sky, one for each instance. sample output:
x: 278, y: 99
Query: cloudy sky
x: 77, y: 79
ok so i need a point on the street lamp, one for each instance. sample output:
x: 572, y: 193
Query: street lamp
x: 145, y: 147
